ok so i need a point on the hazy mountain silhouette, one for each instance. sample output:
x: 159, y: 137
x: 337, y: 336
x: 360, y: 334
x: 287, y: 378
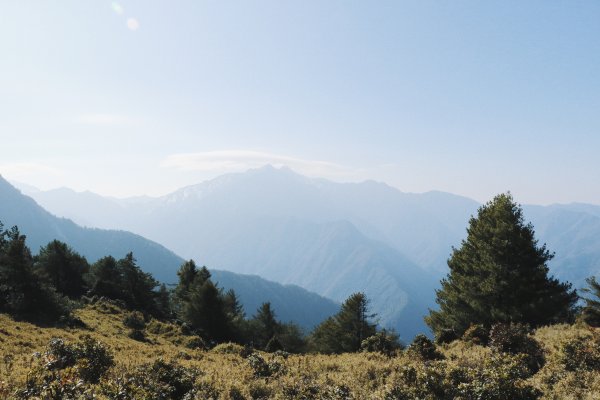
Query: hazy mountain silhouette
x: 292, y: 303
x: 329, y: 237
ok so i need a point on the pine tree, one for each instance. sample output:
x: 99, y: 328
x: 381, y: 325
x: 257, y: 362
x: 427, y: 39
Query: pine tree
x: 202, y: 305
x: 265, y: 325
x: 591, y: 310
x: 205, y: 311
x: 22, y: 293
x: 345, y: 331
x: 500, y: 274
x: 63, y: 268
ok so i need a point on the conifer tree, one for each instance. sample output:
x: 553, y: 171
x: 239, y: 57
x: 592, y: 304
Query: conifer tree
x: 265, y: 325
x: 202, y: 305
x: 591, y: 310
x: 345, y: 331
x: 500, y: 274
x: 22, y: 293
x: 63, y: 268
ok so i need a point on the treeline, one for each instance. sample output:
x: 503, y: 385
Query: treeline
x: 499, y: 275
x: 46, y: 287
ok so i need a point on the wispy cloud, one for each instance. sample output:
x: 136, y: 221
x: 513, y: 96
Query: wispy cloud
x: 240, y: 160
x: 105, y: 119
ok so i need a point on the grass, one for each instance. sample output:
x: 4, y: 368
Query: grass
x: 222, y: 373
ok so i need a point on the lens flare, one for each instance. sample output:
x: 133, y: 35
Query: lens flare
x: 133, y: 24
x: 117, y: 8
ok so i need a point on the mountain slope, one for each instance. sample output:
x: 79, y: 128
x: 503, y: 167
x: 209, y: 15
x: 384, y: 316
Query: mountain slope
x: 291, y: 303
x: 41, y: 227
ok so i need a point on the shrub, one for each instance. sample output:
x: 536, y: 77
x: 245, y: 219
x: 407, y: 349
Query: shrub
x: 194, y: 342
x: 262, y: 368
x: 259, y: 391
x: 91, y: 357
x: 476, y: 334
x: 273, y: 345
x: 134, y: 320
x: 382, y: 342
x: 580, y: 354
x: 228, y: 348
x: 137, y: 334
x: 424, y: 348
x: 159, y: 380
x: 501, y: 378
x: 446, y: 336
x: 515, y: 339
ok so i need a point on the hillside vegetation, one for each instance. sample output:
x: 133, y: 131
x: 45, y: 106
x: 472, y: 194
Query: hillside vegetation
x: 461, y: 369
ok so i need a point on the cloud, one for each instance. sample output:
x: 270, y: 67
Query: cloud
x: 133, y: 24
x: 241, y: 160
x: 104, y: 119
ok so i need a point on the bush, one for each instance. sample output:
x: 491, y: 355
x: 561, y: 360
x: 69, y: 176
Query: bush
x: 446, y: 336
x: 476, y: 334
x: 273, y: 345
x: 580, y: 354
x: 228, y: 348
x: 137, y: 334
x: 382, y: 342
x: 262, y: 368
x: 500, y: 378
x: 134, y: 320
x: 514, y: 339
x: 194, y: 342
x: 91, y: 357
x: 424, y: 348
x: 159, y: 380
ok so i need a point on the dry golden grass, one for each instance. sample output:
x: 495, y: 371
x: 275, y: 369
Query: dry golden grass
x: 346, y: 376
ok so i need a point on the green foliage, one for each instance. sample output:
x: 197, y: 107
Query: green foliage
x: 159, y: 380
x: 345, y: 331
x: 383, y: 342
x: 265, y: 325
x: 200, y: 304
x: 23, y: 293
x: 262, y: 368
x: 591, y: 310
x: 446, y: 336
x: 134, y: 320
x: 500, y: 274
x: 477, y: 334
x: 580, y: 354
x: 62, y: 268
x: 515, y: 339
x: 124, y: 280
x: 424, y: 348
x: 64, y: 367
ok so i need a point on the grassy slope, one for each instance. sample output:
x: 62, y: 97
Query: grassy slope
x: 367, y: 376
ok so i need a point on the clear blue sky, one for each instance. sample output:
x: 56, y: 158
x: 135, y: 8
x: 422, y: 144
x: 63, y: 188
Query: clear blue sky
x: 470, y: 97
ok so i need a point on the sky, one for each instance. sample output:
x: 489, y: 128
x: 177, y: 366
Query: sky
x: 145, y: 96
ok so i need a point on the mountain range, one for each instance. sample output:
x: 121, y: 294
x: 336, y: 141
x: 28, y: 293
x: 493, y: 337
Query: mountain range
x: 41, y: 227
x: 330, y: 238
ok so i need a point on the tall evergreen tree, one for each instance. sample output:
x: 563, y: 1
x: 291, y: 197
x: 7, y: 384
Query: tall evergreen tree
x: 345, y: 331
x: 63, y: 268
x: 500, y: 274
x: 265, y: 325
x: 22, y: 293
x: 591, y: 310
x: 124, y: 280
x: 104, y: 279
x: 202, y: 305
